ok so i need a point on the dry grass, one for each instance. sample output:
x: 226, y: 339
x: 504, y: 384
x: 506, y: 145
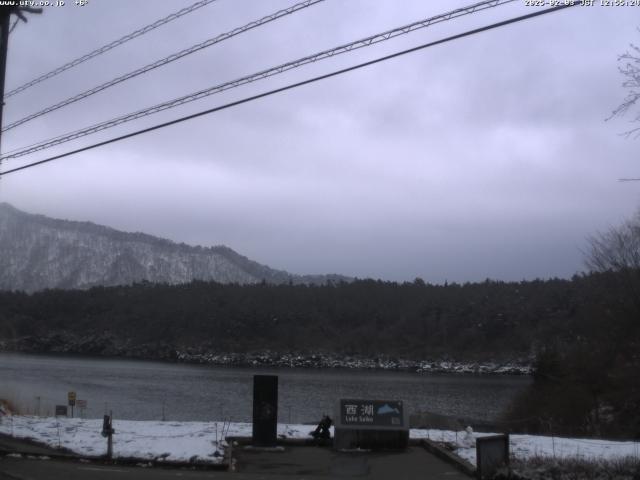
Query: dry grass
x: 538, y: 468
x: 21, y: 403
x: 8, y: 405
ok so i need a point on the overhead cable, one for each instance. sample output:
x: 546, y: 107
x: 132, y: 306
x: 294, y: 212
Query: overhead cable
x: 293, y: 85
x: 166, y: 60
x: 109, y: 46
x: 365, y: 42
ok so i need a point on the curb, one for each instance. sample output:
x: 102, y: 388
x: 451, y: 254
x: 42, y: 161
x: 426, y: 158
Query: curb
x: 447, y: 456
x: 284, y: 442
x: 29, y: 442
x: 64, y: 454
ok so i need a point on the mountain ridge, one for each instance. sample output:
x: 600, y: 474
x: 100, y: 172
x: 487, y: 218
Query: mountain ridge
x: 39, y: 252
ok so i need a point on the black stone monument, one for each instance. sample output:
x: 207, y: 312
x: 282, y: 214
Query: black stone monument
x: 265, y: 410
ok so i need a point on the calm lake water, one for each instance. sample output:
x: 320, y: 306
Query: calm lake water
x: 141, y: 390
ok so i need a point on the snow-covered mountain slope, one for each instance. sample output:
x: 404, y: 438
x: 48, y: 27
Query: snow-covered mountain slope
x: 38, y: 252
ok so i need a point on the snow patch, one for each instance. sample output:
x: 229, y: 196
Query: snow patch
x: 530, y: 446
x: 203, y: 442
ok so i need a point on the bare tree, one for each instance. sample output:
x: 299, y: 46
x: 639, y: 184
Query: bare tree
x: 630, y: 69
x: 618, y: 250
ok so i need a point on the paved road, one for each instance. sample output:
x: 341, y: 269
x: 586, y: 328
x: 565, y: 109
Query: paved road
x: 36, y: 469
x: 290, y: 462
x: 323, y: 463
x: 306, y: 463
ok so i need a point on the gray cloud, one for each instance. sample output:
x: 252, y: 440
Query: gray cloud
x: 485, y: 157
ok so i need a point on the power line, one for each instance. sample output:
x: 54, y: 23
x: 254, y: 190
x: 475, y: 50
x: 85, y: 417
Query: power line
x: 295, y: 85
x: 5, y: 20
x: 365, y: 42
x: 110, y: 46
x: 166, y: 60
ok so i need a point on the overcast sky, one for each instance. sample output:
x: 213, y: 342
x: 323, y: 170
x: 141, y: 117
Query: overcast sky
x: 484, y: 157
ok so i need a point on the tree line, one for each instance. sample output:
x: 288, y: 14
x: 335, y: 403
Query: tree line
x: 486, y: 320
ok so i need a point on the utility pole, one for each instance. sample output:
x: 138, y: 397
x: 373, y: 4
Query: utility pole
x: 5, y: 12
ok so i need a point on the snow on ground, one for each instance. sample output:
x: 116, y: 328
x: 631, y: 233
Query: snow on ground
x: 146, y: 440
x: 203, y: 441
x: 527, y: 446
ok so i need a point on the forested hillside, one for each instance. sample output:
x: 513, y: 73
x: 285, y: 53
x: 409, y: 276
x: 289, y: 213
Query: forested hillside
x: 38, y: 252
x: 415, y: 320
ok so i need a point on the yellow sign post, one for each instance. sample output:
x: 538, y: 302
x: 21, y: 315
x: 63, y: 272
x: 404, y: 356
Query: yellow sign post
x: 72, y: 401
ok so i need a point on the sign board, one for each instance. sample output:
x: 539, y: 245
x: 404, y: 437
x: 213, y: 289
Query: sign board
x: 72, y: 398
x: 81, y: 403
x: 492, y: 453
x: 372, y: 413
x: 370, y: 424
x: 61, y: 410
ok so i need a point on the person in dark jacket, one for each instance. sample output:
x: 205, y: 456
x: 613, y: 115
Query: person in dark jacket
x: 322, y: 430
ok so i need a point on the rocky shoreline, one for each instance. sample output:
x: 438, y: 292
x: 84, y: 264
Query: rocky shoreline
x: 332, y: 361
x: 107, y: 345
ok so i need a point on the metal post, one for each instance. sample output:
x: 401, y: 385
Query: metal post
x: 110, y: 437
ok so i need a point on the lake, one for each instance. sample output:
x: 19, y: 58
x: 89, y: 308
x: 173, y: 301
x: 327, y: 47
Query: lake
x: 146, y: 390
